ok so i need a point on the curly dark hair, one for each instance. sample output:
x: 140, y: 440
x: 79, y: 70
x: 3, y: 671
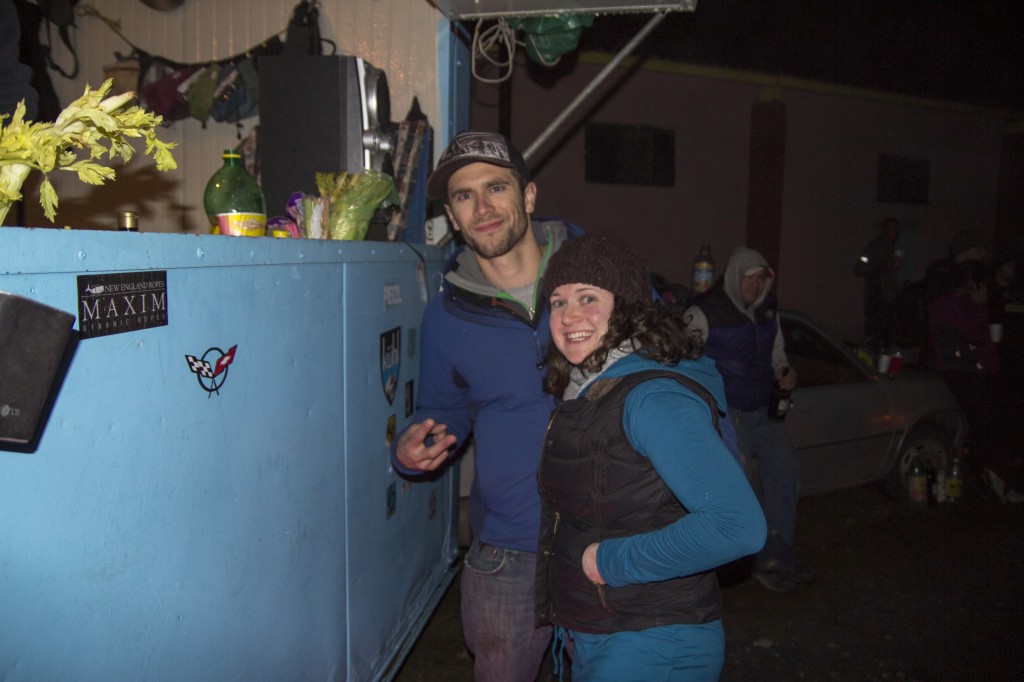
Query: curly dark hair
x: 662, y: 336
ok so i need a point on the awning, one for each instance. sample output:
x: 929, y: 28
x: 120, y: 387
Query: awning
x: 462, y: 10
x: 458, y: 10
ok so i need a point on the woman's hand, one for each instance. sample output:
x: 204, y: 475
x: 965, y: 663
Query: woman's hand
x: 590, y: 564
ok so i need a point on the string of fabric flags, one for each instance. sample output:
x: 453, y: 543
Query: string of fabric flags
x: 226, y: 90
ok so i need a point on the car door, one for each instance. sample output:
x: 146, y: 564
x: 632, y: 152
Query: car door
x: 841, y: 418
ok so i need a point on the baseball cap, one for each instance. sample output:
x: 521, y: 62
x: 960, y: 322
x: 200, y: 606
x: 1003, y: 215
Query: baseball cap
x: 474, y: 146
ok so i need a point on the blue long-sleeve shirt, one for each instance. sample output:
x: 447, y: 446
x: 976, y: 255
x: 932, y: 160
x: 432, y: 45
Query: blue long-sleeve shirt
x: 672, y: 427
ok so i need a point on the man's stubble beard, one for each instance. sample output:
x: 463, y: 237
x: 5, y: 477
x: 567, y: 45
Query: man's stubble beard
x: 508, y: 242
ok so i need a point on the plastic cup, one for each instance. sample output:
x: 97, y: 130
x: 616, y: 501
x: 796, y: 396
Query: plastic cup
x: 896, y: 365
x: 884, y: 360
x: 995, y: 331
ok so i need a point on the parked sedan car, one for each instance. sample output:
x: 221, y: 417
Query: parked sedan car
x: 852, y: 426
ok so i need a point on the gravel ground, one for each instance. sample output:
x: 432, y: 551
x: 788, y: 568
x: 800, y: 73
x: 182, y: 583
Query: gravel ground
x: 902, y: 594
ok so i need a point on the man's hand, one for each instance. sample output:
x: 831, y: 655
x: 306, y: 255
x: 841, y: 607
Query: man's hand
x: 414, y: 453
x: 786, y: 378
x: 590, y: 564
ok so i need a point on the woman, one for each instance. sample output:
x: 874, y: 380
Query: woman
x: 958, y: 327
x: 641, y: 498
x: 968, y: 359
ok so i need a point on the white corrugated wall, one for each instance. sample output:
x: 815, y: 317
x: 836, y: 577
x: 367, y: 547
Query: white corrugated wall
x: 398, y: 36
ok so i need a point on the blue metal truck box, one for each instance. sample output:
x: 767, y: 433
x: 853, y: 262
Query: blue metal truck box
x: 209, y: 495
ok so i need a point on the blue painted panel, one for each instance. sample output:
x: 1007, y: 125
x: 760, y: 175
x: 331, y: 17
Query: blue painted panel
x: 165, y: 530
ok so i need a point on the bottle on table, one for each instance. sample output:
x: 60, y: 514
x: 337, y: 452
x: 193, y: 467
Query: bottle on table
x: 127, y: 221
x: 233, y: 200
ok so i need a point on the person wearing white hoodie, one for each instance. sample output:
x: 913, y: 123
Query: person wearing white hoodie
x: 738, y: 320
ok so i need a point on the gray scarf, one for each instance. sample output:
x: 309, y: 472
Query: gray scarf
x: 579, y: 380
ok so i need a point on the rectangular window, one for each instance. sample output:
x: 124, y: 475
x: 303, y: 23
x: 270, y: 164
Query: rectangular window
x: 629, y: 155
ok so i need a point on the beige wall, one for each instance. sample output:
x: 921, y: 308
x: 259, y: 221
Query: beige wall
x: 398, y: 36
x: 833, y: 140
x: 712, y: 124
x: 830, y: 210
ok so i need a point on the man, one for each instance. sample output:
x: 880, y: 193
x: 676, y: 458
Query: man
x: 738, y: 321
x: 879, y: 265
x: 483, y: 344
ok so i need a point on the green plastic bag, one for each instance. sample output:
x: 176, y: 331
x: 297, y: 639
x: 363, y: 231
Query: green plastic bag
x: 354, y: 198
x: 548, y: 38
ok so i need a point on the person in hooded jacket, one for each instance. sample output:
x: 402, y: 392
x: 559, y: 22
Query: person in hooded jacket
x: 482, y: 346
x: 641, y: 497
x: 738, y: 320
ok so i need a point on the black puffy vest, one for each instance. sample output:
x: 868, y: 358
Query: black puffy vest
x: 595, y: 486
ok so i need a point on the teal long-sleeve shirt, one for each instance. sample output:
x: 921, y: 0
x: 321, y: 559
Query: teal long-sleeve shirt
x: 672, y: 427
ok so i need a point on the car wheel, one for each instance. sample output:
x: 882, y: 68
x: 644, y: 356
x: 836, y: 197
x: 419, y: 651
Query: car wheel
x: 931, y: 445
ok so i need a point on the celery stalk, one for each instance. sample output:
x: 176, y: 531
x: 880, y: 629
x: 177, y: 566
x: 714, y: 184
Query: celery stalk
x: 93, y: 124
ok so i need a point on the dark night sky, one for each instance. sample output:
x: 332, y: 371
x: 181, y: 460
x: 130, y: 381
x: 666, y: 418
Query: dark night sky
x: 969, y: 52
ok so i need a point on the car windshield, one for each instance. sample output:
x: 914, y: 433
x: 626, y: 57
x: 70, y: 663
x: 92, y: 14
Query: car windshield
x: 816, y: 360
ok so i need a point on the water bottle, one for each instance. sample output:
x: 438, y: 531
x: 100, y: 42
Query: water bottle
x: 703, y: 270
x: 233, y: 200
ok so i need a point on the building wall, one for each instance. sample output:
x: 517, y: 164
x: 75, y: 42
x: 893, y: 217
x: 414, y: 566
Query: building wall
x: 711, y: 120
x: 398, y: 36
x: 830, y: 201
x: 829, y: 205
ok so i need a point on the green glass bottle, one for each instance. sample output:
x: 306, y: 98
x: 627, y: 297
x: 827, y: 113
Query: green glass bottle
x: 233, y: 200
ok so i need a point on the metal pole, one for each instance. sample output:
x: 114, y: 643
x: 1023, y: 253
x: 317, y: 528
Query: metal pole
x: 605, y: 72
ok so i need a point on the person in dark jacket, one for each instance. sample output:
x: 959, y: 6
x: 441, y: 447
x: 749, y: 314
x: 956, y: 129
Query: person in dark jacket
x: 738, y: 320
x: 879, y: 265
x: 482, y: 347
x: 641, y: 498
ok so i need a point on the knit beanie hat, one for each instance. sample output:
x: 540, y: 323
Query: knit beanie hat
x: 601, y: 260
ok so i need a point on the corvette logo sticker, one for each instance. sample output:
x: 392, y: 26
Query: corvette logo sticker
x: 211, y: 370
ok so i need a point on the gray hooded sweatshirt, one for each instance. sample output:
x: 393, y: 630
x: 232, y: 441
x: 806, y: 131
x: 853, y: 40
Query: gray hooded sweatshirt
x: 744, y: 260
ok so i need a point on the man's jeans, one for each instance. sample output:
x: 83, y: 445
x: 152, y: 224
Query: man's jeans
x: 498, y: 614
x: 774, y: 472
